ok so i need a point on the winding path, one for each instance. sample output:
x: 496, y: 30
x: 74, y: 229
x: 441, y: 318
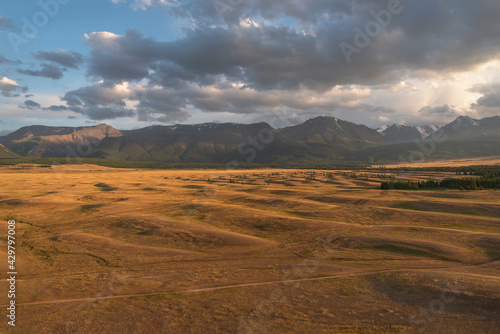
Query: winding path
x: 352, y: 274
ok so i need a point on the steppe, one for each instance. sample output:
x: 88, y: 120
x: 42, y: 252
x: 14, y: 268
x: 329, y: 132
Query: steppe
x: 102, y: 250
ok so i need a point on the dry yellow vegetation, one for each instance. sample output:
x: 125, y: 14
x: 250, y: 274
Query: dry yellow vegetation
x: 102, y: 250
x: 494, y: 160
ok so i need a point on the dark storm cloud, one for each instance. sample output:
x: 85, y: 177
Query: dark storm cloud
x: 103, y: 113
x: 57, y: 108
x: 163, y: 115
x: 264, y: 54
x: 32, y: 105
x: 98, y: 102
x: 305, y: 11
x: 65, y: 58
x: 490, y: 101
x: 126, y: 57
x: 46, y: 71
x: 428, y: 36
x: 444, y: 110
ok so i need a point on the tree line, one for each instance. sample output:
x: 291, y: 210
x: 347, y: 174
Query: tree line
x: 459, y: 184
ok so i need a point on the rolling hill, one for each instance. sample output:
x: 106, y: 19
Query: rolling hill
x: 5, y: 153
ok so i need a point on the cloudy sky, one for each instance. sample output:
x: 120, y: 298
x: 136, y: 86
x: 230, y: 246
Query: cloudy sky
x: 132, y: 63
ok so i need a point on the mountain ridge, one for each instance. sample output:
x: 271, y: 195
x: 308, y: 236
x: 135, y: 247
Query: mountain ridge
x: 321, y: 139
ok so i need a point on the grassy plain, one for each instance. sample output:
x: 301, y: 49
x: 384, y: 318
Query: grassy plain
x: 102, y: 250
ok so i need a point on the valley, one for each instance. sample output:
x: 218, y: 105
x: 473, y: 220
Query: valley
x: 249, y: 251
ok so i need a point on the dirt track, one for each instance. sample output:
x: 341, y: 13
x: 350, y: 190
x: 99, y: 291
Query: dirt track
x: 354, y: 274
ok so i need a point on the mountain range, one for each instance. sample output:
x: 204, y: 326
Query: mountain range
x: 400, y: 133
x: 318, y: 140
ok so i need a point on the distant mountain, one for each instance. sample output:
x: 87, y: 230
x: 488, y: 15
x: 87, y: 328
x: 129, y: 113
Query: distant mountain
x: 322, y: 140
x: 317, y: 140
x: 203, y: 143
x: 399, y: 133
x: 33, y: 131
x: 465, y: 137
x: 427, y: 130
x: 44, y: 141
x: 467, y: 128
x: 330, y: 130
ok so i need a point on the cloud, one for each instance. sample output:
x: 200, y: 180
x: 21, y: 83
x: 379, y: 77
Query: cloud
x: 406, y: 45
x: 10, y: 88
x: 193, y: 74
x: 159, y: 104
x: 403, y: 87
x: 115, y: 57
x: 57, y: 108
x: 166, y: 104
x: 32, y: 105
x: 486, y: 88
x: 144, y: 4
x: 489, y: 102
x: 98, y: 95
x: 383, y: 119
x: 108, y: 100
x: 102, y: 101
x: 5, y: 132
x: 46, y: 71
x: 104, y: 113
x: 444, y: 110
x: 4, y: 60
x: 65, y: 58
x: 7, y: 23
x: 262, y: 55
x: 230, y: 12
x: 306, y: 52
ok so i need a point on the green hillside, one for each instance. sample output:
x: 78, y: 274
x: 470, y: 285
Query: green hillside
x: 7, y: 154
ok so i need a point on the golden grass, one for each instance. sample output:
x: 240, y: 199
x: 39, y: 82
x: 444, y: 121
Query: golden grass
x: 486, y: 161
x: 151, y: 239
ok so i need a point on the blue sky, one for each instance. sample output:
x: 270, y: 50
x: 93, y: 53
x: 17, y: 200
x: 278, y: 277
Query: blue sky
x: 65, y: 31
x: 140, y: 62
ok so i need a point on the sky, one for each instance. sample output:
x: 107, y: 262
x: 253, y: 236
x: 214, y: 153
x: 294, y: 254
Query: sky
x: 134, y: 63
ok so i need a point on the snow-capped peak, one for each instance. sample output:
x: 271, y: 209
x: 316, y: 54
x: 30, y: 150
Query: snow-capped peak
x: 427, y: 130
x: 383, y: 128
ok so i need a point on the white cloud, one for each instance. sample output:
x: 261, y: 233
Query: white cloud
x: 403, y: 86
x: 383, y: 119
x: 9, y: 87
x: 144, y: 4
